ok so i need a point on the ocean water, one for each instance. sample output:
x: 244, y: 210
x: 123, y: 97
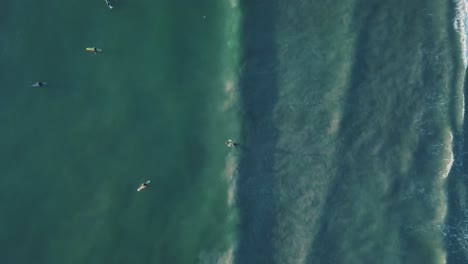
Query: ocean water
x: 152, y: 106
x: 354, y: 117
x: 349, y: 118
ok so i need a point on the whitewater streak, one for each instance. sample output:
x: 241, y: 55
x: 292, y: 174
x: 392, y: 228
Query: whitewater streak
x: 231, y: 54
x: 459, y: 24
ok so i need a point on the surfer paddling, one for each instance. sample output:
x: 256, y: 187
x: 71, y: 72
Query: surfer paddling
x: 143, y: 186
x: 93, y: 50
x: 38, y: 84
x: 108, y: 3
x: 231, y: 143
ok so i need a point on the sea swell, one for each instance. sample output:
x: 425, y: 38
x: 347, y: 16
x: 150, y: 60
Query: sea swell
x: 228, y: 107
x: 459, y: 22
x: 258, y: 91
x: 352, y: 128
x: 453, y: 228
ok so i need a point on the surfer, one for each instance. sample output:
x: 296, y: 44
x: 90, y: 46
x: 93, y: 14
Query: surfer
x: 231, y: 143
x: 109, y: 4
x: 143, y: 186
x: 93, y: 50
x: 39, y: 84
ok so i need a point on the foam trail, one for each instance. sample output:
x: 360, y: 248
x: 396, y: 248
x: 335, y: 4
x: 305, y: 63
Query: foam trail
x: 228, y: 257
x: 231, y: 60
x: 448, y: 147
x: 230, y: 174
x: 215, y: 256
x: 463, y: 107
x: 234, y: 3
x: 229, y: 89
x: 450, y: 230
x: 459, y: 25
x: 442, y: 208
x: 231, y: 57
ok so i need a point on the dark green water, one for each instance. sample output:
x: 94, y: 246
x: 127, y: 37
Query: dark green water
x: 361, y: 106
x: 149, y: 107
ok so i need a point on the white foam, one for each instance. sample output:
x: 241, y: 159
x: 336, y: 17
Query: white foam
x: 334, y: 122
x: 442, y: 209
x: 234, y: 3
x: 217, y: 257
x: 450, y: 158
x: 230, y: 171
x: 228, y: 257
x: 230, y: 95
x: 459, y: 25
x: 231, y: 54
x: 463, y: 107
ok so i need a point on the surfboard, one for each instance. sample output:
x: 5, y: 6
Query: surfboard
x: 37, y: 84
x: 92, y: 50
x: 109, y: 4
x: 142, y: 187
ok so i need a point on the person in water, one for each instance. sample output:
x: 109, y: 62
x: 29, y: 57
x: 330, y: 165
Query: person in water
x: 143, y: 186
x: 109, y: 4
x: 94, y: 50
x: 39, y: 84
x: 231, y: 143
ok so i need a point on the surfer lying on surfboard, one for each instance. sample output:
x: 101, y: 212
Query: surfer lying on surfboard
x: 109, y: 4
x: 231, y: 143
x: 93, y: 50
x: 38, y: 84
x: 143, y: 186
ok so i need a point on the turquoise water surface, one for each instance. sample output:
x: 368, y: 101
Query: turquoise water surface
x: 149, y: 107
x: 349, y: 118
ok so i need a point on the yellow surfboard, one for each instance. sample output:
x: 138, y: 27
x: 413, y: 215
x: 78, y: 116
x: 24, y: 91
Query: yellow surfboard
x: 93, y: 50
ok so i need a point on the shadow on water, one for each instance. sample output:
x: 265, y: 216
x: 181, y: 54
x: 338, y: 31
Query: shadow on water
x: 259, y: 91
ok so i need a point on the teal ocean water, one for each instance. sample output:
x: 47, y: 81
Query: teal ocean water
x: 354, y: 115
x: 349, y: 118
x: 152, y: 106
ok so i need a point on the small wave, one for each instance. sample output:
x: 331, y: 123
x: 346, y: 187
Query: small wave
x: 217, y: 257
x: 230, y: 95
x: 334, y: 122
x: 230, y: 172
x: 448, y: 148
x: 463, y: 108
x: 231, y: 53
x: 448, y: 158
x: 234, y: 3
x: 459, y: 25
x: 231, y: 57
x: 227, y: 256
x: 442, y: 209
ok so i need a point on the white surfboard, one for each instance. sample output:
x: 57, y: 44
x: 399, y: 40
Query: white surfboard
x: 109, y: 4
x: 143, y: 187
x: 38, y: 85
